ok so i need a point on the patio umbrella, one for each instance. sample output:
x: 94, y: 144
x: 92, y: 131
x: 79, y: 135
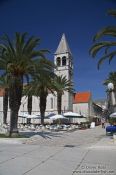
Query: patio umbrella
x: 50, y: 115
x: 73, y: 115
x: 33, y: 116
x: 55, y: 117
x: 23, y: 114
x: 113, y: 115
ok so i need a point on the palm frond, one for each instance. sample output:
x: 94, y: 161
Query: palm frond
x: 98, y: 46
x: 109, y: 31
x: 112, y: 12
x: 107, y: 49
x: 19, y: 42
x: 31, y: 43
x: 61, y: 84
x: 107, y: 56
x: 8, y: 44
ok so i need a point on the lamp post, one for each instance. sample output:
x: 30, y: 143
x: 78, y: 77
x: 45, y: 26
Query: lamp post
x: 111, y: 98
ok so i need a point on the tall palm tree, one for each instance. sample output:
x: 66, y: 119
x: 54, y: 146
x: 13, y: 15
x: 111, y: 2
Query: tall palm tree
x: 17, y: 59
x: 42, y: 84
x: 109, y: 47
x: 4, y: 86
x: 61, y: 84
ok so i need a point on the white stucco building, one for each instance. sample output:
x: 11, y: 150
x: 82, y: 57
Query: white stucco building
x: 82, y: 104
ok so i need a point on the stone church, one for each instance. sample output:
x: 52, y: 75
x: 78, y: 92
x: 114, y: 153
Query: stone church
x: 80, y: 102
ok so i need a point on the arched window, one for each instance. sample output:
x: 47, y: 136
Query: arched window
x: 64, y: 61
x: 58, y: 61
x: 51, y: 103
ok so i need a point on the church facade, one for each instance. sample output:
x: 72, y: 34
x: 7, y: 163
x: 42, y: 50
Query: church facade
x: 78, y: 102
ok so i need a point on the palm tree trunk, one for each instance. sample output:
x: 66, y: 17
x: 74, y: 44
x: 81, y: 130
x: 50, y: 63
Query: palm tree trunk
x: 42, y: 107
x: 13, y: 123
x: 5, y: 106
x: 29, y: 107
x: 59, y: 103
x: 15, y: 94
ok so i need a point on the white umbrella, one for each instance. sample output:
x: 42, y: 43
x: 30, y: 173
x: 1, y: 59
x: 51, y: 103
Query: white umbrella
x: 113, y: 114
x: 33, y: 116
x: 55, y: 117
x: 50, y: 115
x: 23, y: 114
x: 72, y: 114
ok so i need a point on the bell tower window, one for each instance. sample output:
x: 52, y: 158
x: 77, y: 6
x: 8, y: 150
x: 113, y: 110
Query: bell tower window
x: 64, y: 61
x: 58, y: 62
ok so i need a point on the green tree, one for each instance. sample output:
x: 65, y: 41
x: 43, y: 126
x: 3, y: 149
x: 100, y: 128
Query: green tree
x: 108, y: 47
x: 17, y: 60
x: 61, y: 84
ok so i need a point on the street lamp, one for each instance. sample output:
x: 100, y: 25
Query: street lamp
x: 111, y: 98
x: 110, y: 86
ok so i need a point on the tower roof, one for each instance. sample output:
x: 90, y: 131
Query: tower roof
x: 63, y: 46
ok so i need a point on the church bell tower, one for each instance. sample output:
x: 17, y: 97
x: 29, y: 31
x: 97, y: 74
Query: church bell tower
x: 64, y: 62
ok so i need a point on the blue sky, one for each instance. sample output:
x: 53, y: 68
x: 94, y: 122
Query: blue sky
x: 78, y: 19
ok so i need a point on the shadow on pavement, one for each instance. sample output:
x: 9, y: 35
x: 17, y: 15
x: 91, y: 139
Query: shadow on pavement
x: 43, y: 134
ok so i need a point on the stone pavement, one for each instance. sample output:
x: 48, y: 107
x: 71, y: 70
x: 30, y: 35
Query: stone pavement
x: 82, y: 152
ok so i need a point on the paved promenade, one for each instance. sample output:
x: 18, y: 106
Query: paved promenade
x: 82, y: 152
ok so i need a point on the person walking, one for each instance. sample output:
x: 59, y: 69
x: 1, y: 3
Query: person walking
x: 103, y: 122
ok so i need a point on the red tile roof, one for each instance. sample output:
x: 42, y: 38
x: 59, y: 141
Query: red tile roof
x: 82, y: 97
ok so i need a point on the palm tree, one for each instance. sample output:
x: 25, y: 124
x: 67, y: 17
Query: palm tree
x: 61, y: 84
x: 42, y: 84
x: 109, y: 47
x: 4, y: 86
x: 17, y: 59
